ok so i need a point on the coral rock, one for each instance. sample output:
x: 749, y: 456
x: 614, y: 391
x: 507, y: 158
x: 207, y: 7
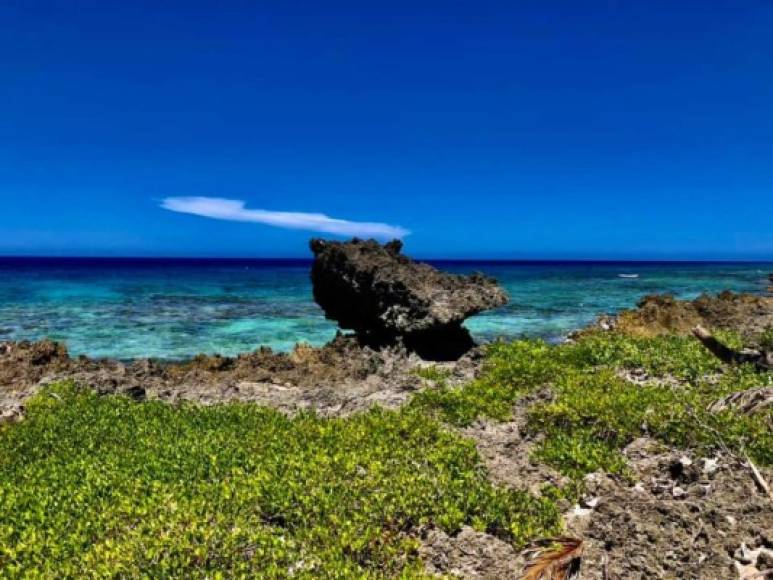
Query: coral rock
x: 387, y: 298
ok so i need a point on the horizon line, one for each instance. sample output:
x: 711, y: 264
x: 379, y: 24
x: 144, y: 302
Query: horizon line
x: 419, y: 258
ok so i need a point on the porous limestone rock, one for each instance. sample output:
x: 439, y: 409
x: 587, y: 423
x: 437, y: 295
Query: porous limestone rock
x: 387, y: 298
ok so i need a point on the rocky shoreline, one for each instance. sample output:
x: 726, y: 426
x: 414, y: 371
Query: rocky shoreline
x: 680, y: 514
x: 344, y: 376
x: 404, y: 314
x: 337, y: 379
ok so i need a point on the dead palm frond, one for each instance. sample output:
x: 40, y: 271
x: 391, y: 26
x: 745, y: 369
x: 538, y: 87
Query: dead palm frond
x: 558, y: 559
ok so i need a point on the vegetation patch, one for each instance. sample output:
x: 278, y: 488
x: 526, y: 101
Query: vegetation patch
x: 121, y: 488
x: 117, y: 487
x: 433, y: 373
x: 512, y: 369
x: 595, y: 412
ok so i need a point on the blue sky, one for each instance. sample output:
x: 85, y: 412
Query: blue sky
x: 486, y: 129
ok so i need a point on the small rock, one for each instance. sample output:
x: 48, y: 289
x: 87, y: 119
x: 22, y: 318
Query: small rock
x: 13, y: 415
x: 765, y: 559
x: 579, y: 512
x: 744, y: 555
x: 710, y: 465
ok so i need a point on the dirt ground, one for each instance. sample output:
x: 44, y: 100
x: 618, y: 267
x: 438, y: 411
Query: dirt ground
x: 470, y: 554
x: 505, y: 448
x: 682, y: 516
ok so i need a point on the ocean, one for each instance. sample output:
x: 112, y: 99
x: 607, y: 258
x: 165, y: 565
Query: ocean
x: 175, y: 308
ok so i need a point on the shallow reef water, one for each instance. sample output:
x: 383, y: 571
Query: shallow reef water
x: 174, y: 309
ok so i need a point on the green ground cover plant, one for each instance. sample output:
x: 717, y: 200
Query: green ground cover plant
x: 433, y: 373
x: 595, y: 412
x: 105, y: 486
x: 115, y: 487
x: 512, y: 369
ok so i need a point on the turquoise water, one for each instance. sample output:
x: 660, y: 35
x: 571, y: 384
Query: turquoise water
x: 173, y: 309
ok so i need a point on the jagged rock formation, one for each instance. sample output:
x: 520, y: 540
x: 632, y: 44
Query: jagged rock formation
x: 748, y: 314
x: 387, y: 298
x: 339, y: 378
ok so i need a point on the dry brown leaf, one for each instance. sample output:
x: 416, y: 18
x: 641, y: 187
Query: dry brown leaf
x: 558, y: 559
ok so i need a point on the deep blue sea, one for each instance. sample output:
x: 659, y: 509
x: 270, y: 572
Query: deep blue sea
x: 173, y: 309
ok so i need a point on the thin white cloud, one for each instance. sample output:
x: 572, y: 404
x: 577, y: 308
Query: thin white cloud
x: 235, y: 210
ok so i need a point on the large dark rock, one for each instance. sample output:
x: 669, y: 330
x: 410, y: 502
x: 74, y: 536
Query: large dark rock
x: 387, y: 298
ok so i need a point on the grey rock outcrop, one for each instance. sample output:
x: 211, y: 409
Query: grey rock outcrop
x: 386, y: 298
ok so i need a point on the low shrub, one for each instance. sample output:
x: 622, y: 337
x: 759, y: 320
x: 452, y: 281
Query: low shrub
x: 121, y: 488
x: 433, y: 373
x: 677, y: 356
x: 595, y: 413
